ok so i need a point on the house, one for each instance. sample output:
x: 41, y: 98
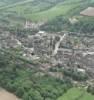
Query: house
x: 81, y: 70
x: 32, y: 25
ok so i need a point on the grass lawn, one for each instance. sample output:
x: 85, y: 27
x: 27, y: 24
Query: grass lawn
x: 76, y: 94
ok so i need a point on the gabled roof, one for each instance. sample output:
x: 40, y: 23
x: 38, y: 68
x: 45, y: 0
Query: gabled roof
x: 88, y: 12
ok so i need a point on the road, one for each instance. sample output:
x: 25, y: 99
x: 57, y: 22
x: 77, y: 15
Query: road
x: 58, y: 44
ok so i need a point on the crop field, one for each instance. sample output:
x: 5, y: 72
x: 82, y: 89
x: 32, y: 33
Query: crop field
x: 40, y: 11
x: 76, y: 94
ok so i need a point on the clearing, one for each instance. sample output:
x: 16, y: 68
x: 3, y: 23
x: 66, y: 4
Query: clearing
x: 77, y: 94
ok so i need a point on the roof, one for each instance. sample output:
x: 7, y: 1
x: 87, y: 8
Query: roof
x: 88, y: 12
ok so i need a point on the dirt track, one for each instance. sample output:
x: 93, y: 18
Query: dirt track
x: 4, y: 95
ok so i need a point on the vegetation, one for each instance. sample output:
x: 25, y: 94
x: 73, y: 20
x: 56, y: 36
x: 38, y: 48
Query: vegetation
x: 75, y: 75
x: 76, y: 94
x: 14, y: 13
x: 61, y: 23
x: 90, y: 89
x: 71, y: 73
x: 21, y: 78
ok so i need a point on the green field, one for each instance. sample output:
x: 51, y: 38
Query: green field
x: 38, y: 10
x: 16, y: 12
x: 76, y: 94
x: 44, y: 11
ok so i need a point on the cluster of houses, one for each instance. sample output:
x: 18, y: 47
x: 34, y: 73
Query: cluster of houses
x: 32, y: 25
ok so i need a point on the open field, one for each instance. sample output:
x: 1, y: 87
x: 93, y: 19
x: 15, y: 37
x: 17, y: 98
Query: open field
x: 76, y: 94
x: 65, y: 8
x: 42, y: 10
x: 15, y: 13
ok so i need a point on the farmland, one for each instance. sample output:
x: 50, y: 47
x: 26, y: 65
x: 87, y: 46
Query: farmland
x: 15, y: 13
x: 38, y: 11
